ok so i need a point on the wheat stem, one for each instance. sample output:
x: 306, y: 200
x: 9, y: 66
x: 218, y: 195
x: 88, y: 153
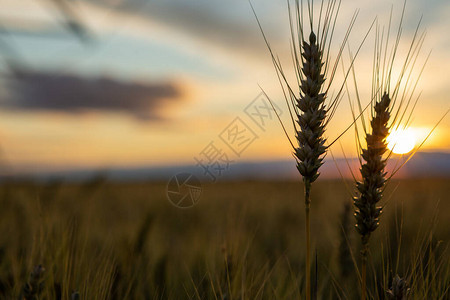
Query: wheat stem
x: 308, y: 239
x: 364, y: 251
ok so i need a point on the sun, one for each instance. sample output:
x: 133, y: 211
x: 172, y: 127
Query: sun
x: 402, y: 141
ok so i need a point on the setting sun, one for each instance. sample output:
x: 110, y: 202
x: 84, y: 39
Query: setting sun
x: 402, y: 141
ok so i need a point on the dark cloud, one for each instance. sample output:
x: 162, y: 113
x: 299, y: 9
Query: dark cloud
x: 228, y: 24
x: 36, y: 91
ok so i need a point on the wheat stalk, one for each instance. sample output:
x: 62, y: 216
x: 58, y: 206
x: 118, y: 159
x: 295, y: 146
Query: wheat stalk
x: 391, y: 104
x: 310, y: 135
x: 345, y: 252
x: 309, y: 109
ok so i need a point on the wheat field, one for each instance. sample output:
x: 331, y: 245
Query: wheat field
x: 243, y: 240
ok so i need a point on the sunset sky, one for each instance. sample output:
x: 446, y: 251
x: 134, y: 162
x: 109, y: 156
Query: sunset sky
x: 152, y: 83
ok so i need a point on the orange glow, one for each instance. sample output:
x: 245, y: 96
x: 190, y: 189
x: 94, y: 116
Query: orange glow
x: 402, y: 141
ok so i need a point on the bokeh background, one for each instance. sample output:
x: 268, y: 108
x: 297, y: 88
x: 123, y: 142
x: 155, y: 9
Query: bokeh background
x: 104, y: 84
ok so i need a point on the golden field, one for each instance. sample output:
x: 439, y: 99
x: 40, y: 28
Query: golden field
x: 243, y: 240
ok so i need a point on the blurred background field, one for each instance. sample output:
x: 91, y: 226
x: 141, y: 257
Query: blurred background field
x: 243, y: 240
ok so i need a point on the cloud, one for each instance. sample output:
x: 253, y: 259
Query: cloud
x: 219, y: 23
x: 229, y: 25
x: 38, y: 91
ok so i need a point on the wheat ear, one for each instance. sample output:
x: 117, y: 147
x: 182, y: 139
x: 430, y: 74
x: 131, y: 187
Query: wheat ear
x: 310, y: 135
x: 389, y: 109
x: 399, y: 289
x: 367, y: 211
x: 306, y: 103
x: 35, y: 284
